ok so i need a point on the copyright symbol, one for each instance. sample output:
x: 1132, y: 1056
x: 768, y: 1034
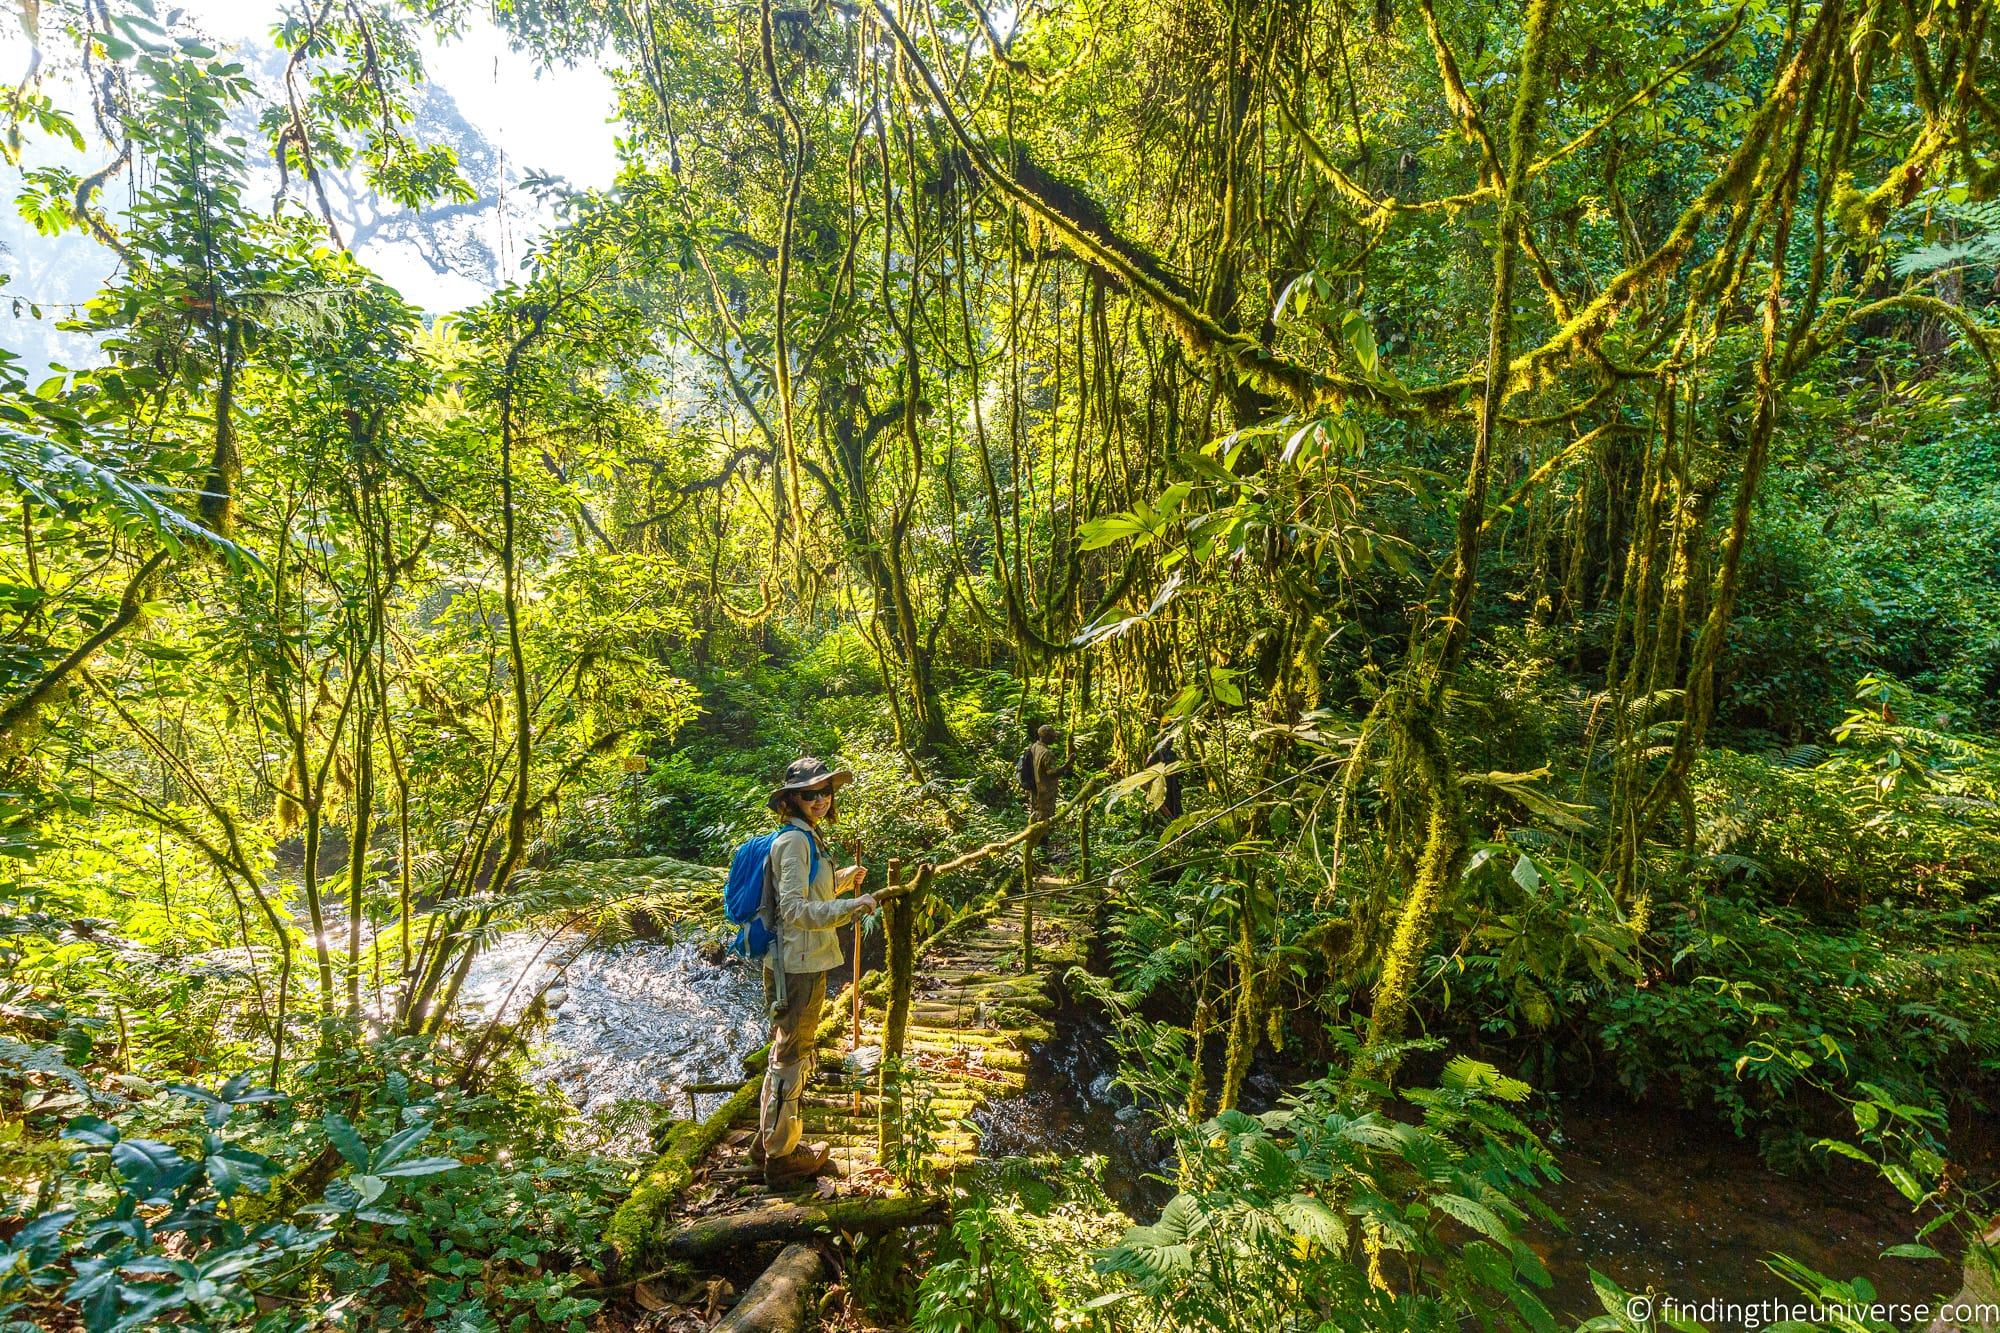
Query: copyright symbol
x: 1639, y: 1309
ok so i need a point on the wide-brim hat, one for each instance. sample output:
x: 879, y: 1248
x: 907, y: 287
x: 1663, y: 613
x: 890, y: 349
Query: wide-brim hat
x: 809, y: 774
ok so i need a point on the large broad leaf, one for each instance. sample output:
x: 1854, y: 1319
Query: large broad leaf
x: 1472, y: 1213
x: 345, y: 1140
x: 1360, y: 340
x: 419, y: 1166
x: 1905, y: 1183
x: 1526, y: 874
x: 1304, y: 282
x: 1310, y: 1217
x: 1153, y: 779
x: 1097, y: 533
x: 397, y: 1145
x: 231, y: 1169
x: 91, y: 1132
x: 154, y: 1168
x: 1181, y: 1220
x: 1142, y: 522
x: 1909, y: 1251
x: 1520, y: 787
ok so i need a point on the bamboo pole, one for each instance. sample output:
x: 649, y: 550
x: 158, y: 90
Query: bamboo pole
x: 993, y: 849
x: 1028, y: 903
x: 1083, y: 845
x: 854, y: 989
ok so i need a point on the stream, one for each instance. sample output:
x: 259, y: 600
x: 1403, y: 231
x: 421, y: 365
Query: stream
x: 633, y: 1026
x: 1650, y: 1197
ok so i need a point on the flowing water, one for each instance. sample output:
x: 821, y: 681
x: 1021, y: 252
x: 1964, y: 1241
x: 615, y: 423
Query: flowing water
x: 1661, y: 1198
x: 1651, y: 1198
x: 633, y: 1025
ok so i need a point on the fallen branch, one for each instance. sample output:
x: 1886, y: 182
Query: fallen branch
x: 637, y: 1219
x: 777, y: 1301
x: 792, y: 1221
x: 1040, y: 826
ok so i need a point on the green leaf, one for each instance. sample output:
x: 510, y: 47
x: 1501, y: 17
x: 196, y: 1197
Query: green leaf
x: 1905, y: 1183
x: 1097, y: 533
x: 1847, y: 1150
x: 1473, y: 1214
x: 1909, y: 1251
x: 153, y: 1167
x: 1526, y: 875
x: 397, y: 1144
x: 1361, y: 340
x: 232, y: 1169
x: 91, y: 1132
x: 345, y: 1140
x: 419, y: 1166
x: 1284, y: 298
x: 1293, y: 449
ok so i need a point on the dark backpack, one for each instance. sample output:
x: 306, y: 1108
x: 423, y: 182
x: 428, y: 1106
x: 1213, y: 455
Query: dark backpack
x: 1027, y: 770
x: 743, y: 893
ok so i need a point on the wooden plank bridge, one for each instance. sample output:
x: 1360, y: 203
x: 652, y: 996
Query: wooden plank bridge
x: 944, y: 1029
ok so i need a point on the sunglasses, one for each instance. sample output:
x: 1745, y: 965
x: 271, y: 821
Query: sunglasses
x: 815, y: 796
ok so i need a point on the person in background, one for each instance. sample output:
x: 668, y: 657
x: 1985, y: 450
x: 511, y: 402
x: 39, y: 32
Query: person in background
x: 1039, y: 763
x: 1048, y: 774
x: 804, y: 910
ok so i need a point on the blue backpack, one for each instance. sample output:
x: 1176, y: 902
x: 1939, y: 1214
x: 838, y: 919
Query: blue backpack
x: 743, y: 894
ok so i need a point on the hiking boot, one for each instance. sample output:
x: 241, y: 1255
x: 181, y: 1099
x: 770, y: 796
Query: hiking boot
x: 798, y: 1166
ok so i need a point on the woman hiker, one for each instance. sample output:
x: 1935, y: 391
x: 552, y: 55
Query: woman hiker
x: 801, y: 908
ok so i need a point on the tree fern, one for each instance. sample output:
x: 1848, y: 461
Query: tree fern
x: 1983, y: 248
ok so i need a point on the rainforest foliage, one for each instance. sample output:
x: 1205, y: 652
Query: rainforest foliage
x: 1538, y: 463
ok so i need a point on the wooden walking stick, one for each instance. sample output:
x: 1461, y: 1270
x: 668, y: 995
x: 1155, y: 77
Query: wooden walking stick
x: 854, y: 986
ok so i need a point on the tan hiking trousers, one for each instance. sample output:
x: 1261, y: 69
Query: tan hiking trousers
x: 794, y: 1023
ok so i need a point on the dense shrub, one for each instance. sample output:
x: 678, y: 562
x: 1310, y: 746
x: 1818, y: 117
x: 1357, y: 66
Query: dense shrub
x: 1755, y: 1011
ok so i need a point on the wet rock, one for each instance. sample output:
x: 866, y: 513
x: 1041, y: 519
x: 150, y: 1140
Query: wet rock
x: 1100, y: 1088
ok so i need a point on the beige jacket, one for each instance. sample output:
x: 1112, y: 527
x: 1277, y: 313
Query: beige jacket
x: 808, y: 914
x: 1048, y: 780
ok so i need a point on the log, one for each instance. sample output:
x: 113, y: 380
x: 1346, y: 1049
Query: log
x: 638, y: 1218
x: 778, y: 1301
x: 793, y: 1221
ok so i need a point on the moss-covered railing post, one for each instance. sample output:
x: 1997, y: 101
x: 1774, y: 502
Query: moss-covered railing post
x: 903, y: 905
x: 1028, y: 907
x: 1083, y: 844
